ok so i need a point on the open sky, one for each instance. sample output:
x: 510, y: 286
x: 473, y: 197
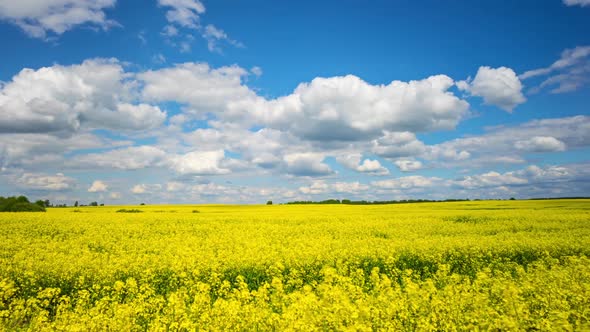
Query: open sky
x: 176, y: 101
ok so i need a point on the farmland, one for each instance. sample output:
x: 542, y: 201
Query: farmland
x: 429, y: 266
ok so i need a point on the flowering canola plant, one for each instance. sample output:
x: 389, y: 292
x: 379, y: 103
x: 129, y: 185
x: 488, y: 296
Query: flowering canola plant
x: 503, y: 265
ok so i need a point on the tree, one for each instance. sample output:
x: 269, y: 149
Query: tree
x: 93, y: 204
x: 20, y: 204
x: 269, y: 203
x: 76, y: 204
x: 47, y: 204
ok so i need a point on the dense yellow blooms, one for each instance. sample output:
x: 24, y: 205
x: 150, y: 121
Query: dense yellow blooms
x: 499, y: 265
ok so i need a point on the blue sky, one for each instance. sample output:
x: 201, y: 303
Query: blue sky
x: 173, y: 101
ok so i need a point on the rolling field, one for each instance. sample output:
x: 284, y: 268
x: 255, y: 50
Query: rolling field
x: 507, y: 265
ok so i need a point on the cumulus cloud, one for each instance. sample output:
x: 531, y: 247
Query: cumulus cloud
x: 408, y: 165
x: 530, y: 181
x: 326, y: 109
x: 569, y: 73
x: 306, y: 164
x: 497, y: 86
x: 348, y: 108
x: 39, y: 151
x: 506, y: 144
x: 64, y: 99
x: 45, y: 182
x: 490, y: 179
x: 199, y: 163
x: 131, y: 158
x: 129, y: 117
x: 37, y: 18
x: 204, y: 89
x: 541, y: 144
x: 98, y: 187
x: 354, y: 161
x: 398, y: 145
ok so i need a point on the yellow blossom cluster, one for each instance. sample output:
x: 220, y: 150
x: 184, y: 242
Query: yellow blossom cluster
x: 485, y: 265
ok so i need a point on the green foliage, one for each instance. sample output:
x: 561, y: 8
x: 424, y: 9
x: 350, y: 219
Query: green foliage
x: 20, y: 204
x: 129, y: 211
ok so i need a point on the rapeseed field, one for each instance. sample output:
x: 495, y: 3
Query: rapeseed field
x: 486, y: 265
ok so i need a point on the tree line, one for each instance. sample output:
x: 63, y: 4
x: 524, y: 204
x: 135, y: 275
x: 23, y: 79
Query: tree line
x: 363, y: 202
x: 20, y: 204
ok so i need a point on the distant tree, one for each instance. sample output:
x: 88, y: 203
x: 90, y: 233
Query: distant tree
x: 47, y: 203
x: 40, y: 203
x: 512, y: 198
x: 269, y: 203
x: 21, y: 199
x: 76, y: 204
x: 101, y: 204
x: 142, y: 204
x: 93, y: 204
x: 20, y: 204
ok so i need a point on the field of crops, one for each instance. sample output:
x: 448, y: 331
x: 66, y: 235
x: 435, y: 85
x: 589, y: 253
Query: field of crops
x: 432, y: 266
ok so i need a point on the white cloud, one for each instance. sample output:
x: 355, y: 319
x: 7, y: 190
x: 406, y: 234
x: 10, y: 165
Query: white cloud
x: 65, y: 99
x: 497, y: 86
x: 490, y: 179
x: 130, y: 158
x: 129, y: 117
x: 353, y: 161
x: 348, y: 108
x: 204, y: 89
x: 407, y: 182
x: 322, y: 187
x: 541, y: 144
x: 306, y: 164
x: 506, y: 144
x: 398, y: 145
x: 257, y: 71
x: 187, y: 14
x: 45, y: 182
x: 39, y: 151
x: 326, y: 109
x: 214, y: 36
x: 199, y: 163
x: 567, y: 74
x: 408, y: 165
x: 37, y: 18
x: 184, y: 12
x: 115, y: 195
x: 141, y: 189
x: 582, y: 3
x: 372, y: 167
x: 98, y: 187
